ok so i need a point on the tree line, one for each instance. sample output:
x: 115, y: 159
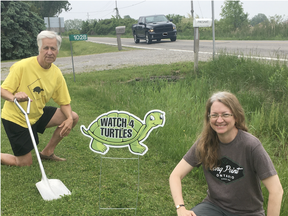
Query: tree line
x: 234, y: 24
x: 21, y: 21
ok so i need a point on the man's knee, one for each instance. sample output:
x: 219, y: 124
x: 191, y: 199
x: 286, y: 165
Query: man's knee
x: 75, y: 118
x: 25, y: 160
x: 26, y: 163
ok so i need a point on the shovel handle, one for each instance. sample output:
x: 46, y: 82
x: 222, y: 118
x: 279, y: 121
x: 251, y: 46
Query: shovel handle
x: 20, y: 107
x: 32, y: 135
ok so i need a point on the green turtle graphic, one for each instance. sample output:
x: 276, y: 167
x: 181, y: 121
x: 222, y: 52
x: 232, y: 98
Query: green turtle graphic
x: 119, y: 129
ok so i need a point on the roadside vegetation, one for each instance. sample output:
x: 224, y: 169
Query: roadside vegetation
x: 21, y: 21
x: 86, y: 48
x: 272, y: 28
x: 261, y: 88
x: 83, y: 48
x: 233, y: 25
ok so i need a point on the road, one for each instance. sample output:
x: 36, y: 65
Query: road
x: 269, y: 49
x: 164, y: 52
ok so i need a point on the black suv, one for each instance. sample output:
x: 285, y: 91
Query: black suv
x: 154, y: 27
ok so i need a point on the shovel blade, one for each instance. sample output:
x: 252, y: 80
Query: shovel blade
x: 52, y: 189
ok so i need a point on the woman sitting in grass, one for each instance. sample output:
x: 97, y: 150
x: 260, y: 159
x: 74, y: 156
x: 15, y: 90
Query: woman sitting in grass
x: 234, y: 164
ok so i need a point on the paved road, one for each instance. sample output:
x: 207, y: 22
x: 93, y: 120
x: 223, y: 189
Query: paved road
x: 164, y: 52
x: 270, y: 49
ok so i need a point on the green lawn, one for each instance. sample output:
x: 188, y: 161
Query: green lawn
x: 261, y: 88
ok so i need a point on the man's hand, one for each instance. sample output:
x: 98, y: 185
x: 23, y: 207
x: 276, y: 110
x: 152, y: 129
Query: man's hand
x: 66, y: 127
x: 21, y: 97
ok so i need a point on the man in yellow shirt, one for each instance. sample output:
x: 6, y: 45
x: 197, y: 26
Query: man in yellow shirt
x: 39, y: 79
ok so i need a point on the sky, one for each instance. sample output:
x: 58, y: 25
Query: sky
x: 134, y: 8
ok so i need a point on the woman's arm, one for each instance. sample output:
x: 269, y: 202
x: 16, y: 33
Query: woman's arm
x: 275, y: 190
x: 180, y: 171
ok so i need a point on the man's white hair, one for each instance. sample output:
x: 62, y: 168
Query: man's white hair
x: 48, y: 34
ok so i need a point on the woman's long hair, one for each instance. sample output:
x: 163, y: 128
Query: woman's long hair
x: 208, y: 145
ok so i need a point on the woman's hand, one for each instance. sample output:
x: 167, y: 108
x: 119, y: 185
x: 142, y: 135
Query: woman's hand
x: 182, y: 211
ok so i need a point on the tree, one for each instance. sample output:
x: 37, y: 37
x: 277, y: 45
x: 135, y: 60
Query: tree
x: 49, y: 8
x: 85, y: 27
x: 127, y: 17
x: 233, y: 15
x: 176, y: 18
x: 19, y: 30
x: 75, y: 24
x: 259, y: 18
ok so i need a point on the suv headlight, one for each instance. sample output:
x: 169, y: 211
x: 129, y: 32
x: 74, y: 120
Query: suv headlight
x: 151, y: 30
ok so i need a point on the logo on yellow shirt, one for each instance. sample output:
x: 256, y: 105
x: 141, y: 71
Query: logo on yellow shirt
x: 38, y: 89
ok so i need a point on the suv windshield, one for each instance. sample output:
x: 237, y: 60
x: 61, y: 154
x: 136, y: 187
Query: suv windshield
x: 160, y: 18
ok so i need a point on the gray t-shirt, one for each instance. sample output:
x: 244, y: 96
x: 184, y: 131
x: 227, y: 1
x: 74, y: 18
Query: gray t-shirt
x: 235, y: 185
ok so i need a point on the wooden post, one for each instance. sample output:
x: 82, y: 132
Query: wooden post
x: 196, y: 49
x: 119, y: 42
x: 49, y: 28
x: 59, y: 21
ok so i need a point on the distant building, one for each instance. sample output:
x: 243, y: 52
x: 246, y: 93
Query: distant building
x: 54, y: 24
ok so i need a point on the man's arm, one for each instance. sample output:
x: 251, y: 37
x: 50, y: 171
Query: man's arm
x: 20, y: 96
x: 275, y: 190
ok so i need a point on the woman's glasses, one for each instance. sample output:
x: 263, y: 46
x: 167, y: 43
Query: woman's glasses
x: 223, y: 116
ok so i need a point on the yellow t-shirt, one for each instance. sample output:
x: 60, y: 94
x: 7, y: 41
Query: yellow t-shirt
x: 39, y: 84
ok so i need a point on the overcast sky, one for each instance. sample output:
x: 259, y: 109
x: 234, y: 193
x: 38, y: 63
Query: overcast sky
x: 134, y: 8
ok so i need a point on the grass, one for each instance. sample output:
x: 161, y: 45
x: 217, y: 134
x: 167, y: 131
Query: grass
x: 183, y: 101
x: 85, y: 48
x: 82, y: 48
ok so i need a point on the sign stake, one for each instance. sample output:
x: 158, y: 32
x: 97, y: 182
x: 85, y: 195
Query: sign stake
x: 77, y: 37
x: 72, y: 59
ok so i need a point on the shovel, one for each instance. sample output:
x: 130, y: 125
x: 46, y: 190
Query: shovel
x: 48, y: 188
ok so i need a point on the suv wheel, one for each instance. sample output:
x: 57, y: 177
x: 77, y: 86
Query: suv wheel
x: 147, y: 38
x: 173, y: 38
x: 136, y: 40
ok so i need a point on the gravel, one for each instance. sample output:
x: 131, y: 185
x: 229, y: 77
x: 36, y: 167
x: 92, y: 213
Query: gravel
x: 114, y: 60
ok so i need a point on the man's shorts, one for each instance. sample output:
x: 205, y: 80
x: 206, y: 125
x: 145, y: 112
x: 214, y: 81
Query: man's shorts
x: 207, y: 209
x: 20, y: 138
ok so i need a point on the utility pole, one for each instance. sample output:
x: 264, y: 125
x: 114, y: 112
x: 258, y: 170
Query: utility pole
x: 116, y: 8
x: 192, y: 11
x: 213, y: 29
x: 87, y: 16
x: 196, y: 41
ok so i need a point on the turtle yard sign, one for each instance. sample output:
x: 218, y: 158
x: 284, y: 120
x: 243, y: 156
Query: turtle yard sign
x: 118, y: 129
